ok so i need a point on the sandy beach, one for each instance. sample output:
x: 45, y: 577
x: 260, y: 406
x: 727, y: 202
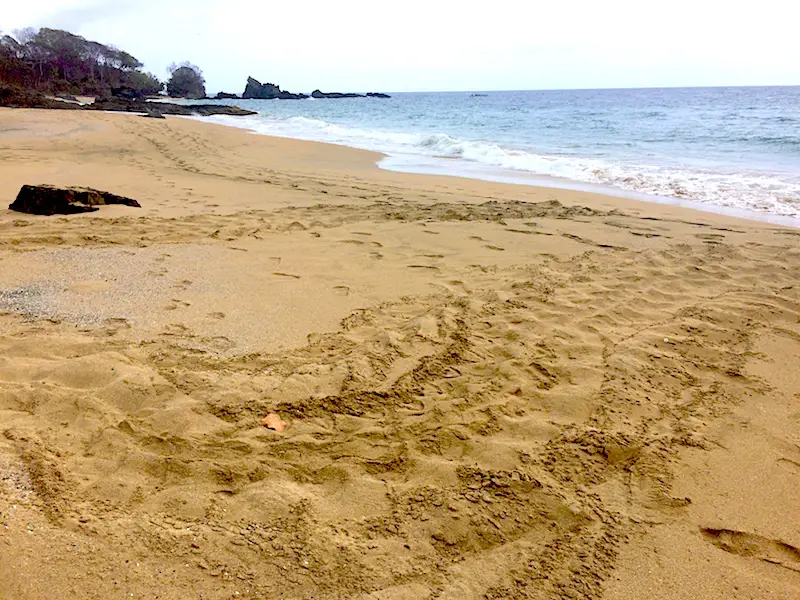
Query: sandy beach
x: 490, y: 391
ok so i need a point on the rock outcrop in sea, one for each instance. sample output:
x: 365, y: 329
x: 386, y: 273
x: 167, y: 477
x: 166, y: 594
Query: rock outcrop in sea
x: 255, y: 90
x: 318, y: 94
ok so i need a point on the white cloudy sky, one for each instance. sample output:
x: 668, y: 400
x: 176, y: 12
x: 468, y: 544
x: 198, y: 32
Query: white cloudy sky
x: 416, y: 45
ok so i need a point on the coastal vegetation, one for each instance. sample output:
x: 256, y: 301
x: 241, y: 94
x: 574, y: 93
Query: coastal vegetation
x: 186, y: 81
x: 53, y: 61
x: 47, y: 68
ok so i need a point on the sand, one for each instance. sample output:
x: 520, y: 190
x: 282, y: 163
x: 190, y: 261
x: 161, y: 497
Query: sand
x: 490, y: 391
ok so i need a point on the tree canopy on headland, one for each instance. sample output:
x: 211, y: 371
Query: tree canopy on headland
x: 57, y: 61
x: 36, y: 63
x: 186, y: 81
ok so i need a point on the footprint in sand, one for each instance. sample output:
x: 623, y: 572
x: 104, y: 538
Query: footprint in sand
x: 457, y: 283
x: 217, y: 315
x: 341, y: 290
x: 497, y: 248
x: 431, y: 267
x: 791, y: 464
x: 756, y: 546
x: 175, y: 329
x: 477, y: 237
x: 290, y: 275
x: 219, y: 342
x: 175, y: 304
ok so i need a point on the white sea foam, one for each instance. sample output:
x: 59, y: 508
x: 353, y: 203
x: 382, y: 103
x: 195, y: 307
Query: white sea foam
x: 775, y: 194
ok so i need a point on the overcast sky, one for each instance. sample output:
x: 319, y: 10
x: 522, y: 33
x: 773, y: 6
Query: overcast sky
x: 421, y: 45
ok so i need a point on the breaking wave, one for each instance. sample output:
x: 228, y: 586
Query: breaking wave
x: 757, y: 191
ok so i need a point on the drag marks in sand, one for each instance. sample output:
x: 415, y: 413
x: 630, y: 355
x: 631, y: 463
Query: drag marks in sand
x: 472, y: 424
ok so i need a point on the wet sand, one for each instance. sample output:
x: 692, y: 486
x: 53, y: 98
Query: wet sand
x: 492, y: 391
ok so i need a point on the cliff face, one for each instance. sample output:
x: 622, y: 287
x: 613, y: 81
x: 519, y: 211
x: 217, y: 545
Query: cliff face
x: 256, y: 90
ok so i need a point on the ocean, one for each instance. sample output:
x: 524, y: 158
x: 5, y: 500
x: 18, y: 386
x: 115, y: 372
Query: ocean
x: 734, y: 150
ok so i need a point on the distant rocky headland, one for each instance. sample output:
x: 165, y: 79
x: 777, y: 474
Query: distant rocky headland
x: 255, y: 90
x: 50, y: 68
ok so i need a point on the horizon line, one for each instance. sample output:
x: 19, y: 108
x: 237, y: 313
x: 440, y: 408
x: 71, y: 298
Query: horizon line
x: 588, y: 89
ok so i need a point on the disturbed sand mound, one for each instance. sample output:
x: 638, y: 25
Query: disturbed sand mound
x: 524, y: 417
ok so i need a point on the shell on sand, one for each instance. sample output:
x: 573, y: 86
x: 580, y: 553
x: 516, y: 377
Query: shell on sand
x: 273, y: 421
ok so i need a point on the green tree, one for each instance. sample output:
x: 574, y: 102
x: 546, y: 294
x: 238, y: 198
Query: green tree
x: 52, y: 60
x: 146, y: 83
x: 186, y: 81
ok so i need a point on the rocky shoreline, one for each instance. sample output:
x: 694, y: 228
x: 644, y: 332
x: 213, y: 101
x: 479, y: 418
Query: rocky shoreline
x: 128, y: 100
x: 122, y: 101
x: 15, y: 97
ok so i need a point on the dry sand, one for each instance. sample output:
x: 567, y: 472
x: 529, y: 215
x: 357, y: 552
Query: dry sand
x: 491, y: 391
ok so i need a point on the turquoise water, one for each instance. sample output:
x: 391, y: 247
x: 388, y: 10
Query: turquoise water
x: 719, y: 147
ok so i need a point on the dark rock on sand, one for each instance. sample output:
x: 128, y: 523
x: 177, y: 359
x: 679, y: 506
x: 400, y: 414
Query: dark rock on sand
x: 51, y: 200
x: 255, y: 90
